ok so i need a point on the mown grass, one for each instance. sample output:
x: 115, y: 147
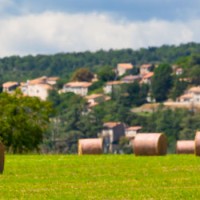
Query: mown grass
x: 100, y: 177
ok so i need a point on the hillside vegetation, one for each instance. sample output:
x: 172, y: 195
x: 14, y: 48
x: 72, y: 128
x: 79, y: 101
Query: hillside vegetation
x: 16, y: 68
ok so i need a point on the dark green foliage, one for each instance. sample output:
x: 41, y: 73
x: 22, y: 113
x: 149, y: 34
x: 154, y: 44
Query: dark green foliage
x: 70, y: 123
x: 161, y: 82
x: 178, y: 88
x: 82, y: 74
x: 23, y: 121
x: 17, y: 68
x: 106, y: 73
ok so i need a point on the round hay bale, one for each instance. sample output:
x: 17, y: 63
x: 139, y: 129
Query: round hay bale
x: 185, y: 147
x: 90, y: 146
x: 197, y: 144
x: 150, y: 144
x: 1, y: 158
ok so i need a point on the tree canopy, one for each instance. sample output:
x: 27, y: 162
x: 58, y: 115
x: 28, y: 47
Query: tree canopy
x: 23, y: 121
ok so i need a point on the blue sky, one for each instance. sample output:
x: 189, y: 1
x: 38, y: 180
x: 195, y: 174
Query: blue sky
x: 49, y: 26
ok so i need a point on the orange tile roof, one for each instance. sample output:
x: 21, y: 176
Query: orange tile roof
x: 134, y: 128
x: 78, y: 84
x: 55, y: 78
x: 93, y: 104
x: 114, y: 83
x: 93, y: 96
x: 10, y: 84
x: 149, y: 75
x: 194, y: 89
x: 146, y: 66
x: 46, y: 86
x: 186, y: 96
x: 125, y: 65
x: 111, y: 124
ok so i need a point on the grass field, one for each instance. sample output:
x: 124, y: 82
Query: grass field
x: 100, y: 177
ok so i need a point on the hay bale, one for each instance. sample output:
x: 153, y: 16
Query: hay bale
x: 1, y: 158
x: 90, y: 146
x: 185, y: 147
x: 197, y: 144
x: 150, y: 144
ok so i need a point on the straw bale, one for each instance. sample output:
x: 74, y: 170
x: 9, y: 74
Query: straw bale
x: 1, y: 158
x: 90, y: 146
x: 185, y: 147
x: 150, y: 144
x: 197, y: 143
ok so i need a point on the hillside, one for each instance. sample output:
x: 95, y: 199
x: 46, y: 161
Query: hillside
x: 17, y: 68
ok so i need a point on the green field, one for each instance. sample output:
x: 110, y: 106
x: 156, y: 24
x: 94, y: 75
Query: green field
x: 100, y: 177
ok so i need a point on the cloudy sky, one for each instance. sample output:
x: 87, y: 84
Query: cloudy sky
x: 53, y: 26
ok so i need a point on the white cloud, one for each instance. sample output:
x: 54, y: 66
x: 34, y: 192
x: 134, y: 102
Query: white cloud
x: 51, y: 32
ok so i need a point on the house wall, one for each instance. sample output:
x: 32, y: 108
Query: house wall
x: 130, y: 133
x: 37, y: 91
x: 107, y: 89
x: 77, y: 90
x: 121, y: 71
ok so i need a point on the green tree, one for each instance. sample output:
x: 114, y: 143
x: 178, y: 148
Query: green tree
x: 82, y: 74
x: 23, y: 121
x: 194, y: 74
x: 161, y: 82
x: 106, y: 73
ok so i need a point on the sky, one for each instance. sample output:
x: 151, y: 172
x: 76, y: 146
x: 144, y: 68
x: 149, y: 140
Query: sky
x: 50, y: 27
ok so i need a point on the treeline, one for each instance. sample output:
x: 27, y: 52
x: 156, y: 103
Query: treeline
x: 16, y: 68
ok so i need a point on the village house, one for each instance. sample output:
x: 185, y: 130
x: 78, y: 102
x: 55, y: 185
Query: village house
x: 10, y: 86
x: 111, y: 134
x: 108, y: 88
x: 191, y: 95
x: 179, y: 71
x: 131, y: 131
x: 145, y: 69
x: 131, y: 78
x: 95, y: 99
x: 39, y: 87
x: 36, y: 90
x: 147, y: 78
x: 123, y: 68
x: 80, y: 88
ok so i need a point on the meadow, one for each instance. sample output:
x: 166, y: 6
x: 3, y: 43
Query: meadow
x: 101, y: 177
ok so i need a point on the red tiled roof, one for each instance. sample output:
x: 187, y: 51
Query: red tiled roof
x: 194, y: 89
x: 146, y: 66
x: 186, y: 96
x: 10, y: 84
x: 149, y: 75
x: 111, y: 124
x: 134, y: 128
x: 93, y: 96
x: 125, y: 65
x: 55, y: 78
x: 114, y: 83
x: 78, y: 84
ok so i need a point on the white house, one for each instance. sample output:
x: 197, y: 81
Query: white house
x: 80, y: 88
x: 145, y: 69
x: 123, y: 68
x: 38, y: 87
x: 131, y: 78
x: 191, y: 95
x: 147, y: 78
x: 10, y: 86
x: 108, y: 88
x: 131, y: 131
x: 36, y: 90
x: 95, y: 99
